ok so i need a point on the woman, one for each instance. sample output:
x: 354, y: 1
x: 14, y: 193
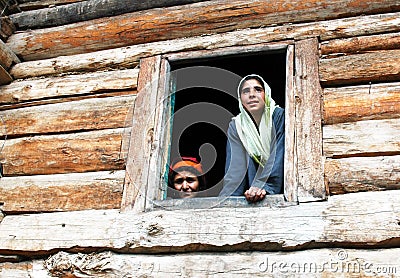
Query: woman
x: 186, y: 176
x: 256, y: 138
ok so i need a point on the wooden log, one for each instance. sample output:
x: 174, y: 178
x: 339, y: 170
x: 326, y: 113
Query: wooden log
x: 368, y: 102
x: 363, y: 138
x: 377, y: 66
x: 69, y: 85
x: 344, y: 221
x: 182, y: 21
x: 326, y: 262
x: 7, y: 28
x: 356, y: 174
x: 308, y: 122
x: 5, y: 77
x: 361, y: 44
x: 82, y: 115
x: 28, y: 5
x: 86, y: 10
x: 129, y: 56
x: 65, y: 153
x: 7, y: 57
x: 61, y: 192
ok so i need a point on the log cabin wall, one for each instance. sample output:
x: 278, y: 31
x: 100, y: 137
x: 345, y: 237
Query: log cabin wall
x: 66, y: 110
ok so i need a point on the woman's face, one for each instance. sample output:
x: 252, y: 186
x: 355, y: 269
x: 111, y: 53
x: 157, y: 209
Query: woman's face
x: 186, y: 181
x: 252, y: 96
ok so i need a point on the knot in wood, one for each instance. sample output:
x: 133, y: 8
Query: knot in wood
x: 154, y: 229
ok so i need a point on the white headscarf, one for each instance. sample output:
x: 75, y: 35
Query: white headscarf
x: 257, y: 144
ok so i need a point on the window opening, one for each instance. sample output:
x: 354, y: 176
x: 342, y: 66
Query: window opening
x: 201, y: 113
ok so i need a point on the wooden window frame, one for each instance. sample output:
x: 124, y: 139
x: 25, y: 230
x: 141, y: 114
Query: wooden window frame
x: 151, y: 132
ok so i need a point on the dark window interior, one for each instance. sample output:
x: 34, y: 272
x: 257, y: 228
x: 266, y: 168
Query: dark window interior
x: 205, y: 100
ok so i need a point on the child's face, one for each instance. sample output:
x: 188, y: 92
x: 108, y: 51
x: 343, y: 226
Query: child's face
x: 186, y: 181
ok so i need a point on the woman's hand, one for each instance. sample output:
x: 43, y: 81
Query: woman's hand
x: 255, y: 194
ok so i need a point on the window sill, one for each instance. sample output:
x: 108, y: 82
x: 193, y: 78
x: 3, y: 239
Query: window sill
x: 274, y: 201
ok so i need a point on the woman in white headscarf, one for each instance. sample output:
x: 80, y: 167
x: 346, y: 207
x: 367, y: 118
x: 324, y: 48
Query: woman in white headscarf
x: 256, y: 138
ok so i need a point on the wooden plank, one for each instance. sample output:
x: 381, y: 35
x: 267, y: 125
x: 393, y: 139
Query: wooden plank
x: 290, y: 159
x: 61, y: 192
x: 65, y: 153
x: 344, y: 220
x: 85, y: 10
x: 69, y: 85
x: 308, y: 122
x: 376, y: 66
x: 156, y: 184
x: 356, y: 174
x: 363, y: 138
x: 142, y: 138
x: 182, y: 21
x: 367, y: 102
x: 361, y: 44
x: 130, y: 56
x: 82, y: 115
x: 7, y: 57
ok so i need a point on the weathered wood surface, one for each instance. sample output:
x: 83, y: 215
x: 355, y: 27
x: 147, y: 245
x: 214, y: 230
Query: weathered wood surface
x: 5, y: 77
x: 86, y: 10
x: 69, y: 85
x: 361, y: 44
x: 376, y: 66
x: 182, y: 21
x: 129, y: 56
x: 27, y: 5
x: 7, y: 57
x: 82, y: 115
x: 7, y: 28
x: 290, y: 156
x: 326, y: 262
x: 363, y: 138
x: 142, y: 143
x: 102, y: 150
x: 356, y: 174
x: 344, y: 221
x: 62, y: 192
x: 308, y: 122
x: 367, y: 102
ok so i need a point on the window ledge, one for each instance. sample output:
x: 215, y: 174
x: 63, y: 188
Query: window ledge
x: 274, y: 201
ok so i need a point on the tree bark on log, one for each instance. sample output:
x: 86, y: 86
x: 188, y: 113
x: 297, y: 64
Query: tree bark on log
x: 130, y: 56
x: 363, y: 138
x: 182, y: 21
x: 85, y: 10
x: 69, y: 85
x: 377, y: 66
x: 368, y: 102
x: 355, y: 174
x: 102, y: 150
x: 361, y: 44
x: 62, y: 192
x: 76, y: 116
x: 343, y: 221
